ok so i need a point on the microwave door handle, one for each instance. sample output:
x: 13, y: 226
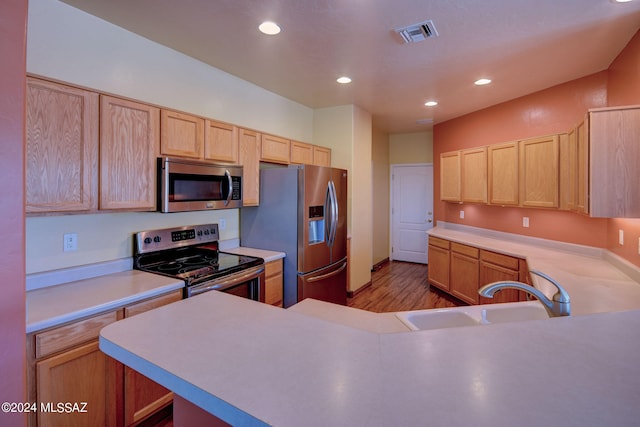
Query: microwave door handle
x: 230, y: 184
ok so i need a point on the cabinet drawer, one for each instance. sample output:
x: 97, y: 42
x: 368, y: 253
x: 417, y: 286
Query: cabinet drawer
x: 441, y: 243
x: 501, y: 260
x: 465, y: 250
x: 152, y: 303
x: 64, y: 337
x: 273, y: 268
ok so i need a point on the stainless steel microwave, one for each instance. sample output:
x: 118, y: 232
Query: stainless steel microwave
x: 190, y: 185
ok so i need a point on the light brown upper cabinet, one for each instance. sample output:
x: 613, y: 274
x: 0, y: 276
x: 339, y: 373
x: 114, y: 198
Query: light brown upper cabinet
x: 220, y: 142
x: 62, y: 148
x: 249, y: 157
x: 274, y: 149
x: 503, y: 174
x: 474, y: 175
x: 321, y: 156
x: 129, y: 146
x: 568, y: 159
x: 538, y: 173
x: 450, y: 176
x: 182, y: 134
x: 613, y: 139
x: 301, y: 153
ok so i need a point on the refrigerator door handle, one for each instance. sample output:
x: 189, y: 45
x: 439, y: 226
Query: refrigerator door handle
x: 334, y: 214
x: 326, y: 276
x: 327, y: 212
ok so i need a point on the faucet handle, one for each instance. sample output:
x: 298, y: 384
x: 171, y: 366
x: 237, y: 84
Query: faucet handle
x: 561, y: 295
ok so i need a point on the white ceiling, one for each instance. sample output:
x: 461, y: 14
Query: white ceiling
x: 522, y: 45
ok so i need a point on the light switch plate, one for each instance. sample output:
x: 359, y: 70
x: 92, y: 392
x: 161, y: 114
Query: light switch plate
x: 461, y: 214
x: 621, y: 237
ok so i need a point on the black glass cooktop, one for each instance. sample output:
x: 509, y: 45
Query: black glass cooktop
x: 195, y: 263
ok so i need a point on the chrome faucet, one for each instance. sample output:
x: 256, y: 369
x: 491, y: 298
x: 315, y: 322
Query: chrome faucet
x: 559, y: 305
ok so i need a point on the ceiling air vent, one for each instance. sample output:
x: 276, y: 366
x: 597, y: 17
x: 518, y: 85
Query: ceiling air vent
x: 417, y: 32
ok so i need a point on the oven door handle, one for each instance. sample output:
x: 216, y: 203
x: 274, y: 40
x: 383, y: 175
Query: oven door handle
x: 230, y: 184
x: 226, y: 283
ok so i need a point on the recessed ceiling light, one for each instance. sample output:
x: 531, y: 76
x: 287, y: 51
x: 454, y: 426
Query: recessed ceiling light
x: 343, y: 80
x: 482, y: 82
x: 269, y: 28
x: 622, y: 1
x: 431, y: 103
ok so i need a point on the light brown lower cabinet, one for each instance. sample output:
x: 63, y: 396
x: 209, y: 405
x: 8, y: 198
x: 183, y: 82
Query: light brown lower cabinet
x: 438, y: 269
x: 461, y: 270
x: 496, y: 267
x: 274, y: 283
x: 464, y: 277
x: 73, y: 383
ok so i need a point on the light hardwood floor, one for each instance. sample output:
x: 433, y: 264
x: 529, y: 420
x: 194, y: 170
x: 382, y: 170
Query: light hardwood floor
x: 401, y: 286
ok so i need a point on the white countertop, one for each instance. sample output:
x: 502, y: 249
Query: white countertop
x: 596, y: 280
x: 251, y: 364
x: 268, y: 256
x: 52, y: 301
x: 55, y: 305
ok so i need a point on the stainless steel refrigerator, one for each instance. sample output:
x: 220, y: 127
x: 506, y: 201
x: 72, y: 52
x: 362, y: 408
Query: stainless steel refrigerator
x: 303, y: 213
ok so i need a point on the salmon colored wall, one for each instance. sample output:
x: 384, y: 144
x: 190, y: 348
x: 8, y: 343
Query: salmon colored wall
x: 624, y: 75
x: 12, y: 265
x: 553, y: 110
x: 624, y: 89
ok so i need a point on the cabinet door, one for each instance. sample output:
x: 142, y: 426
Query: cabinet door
x: 249, y: 157
x: 581, y: 180
x: 464, y: 277
x: 568, y: 158
x: 438, y: 268
x: 321, y: 156
x: 129, y: 146
x: 496, y: 267
x: 142, y: 396
x: 539, y: 172
x: 301, y: 153
x: 181, y: 134
x: 220, y: 142
x: 62, y: 148
x: 614, y: 152
x: 274, y: 283
x: 275, y: 149
x: 76, y: 376
x: 474, y: 175
x: 450, y: 177
x: 503, y: 174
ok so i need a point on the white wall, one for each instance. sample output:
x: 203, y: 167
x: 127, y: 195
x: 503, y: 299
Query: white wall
x: 66, y: 44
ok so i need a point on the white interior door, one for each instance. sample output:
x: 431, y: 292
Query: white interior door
x: 411, y: 211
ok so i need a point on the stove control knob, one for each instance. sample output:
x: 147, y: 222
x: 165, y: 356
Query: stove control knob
x: 157, y: 239
x: 147, y: 240
x: 206, y: 232
x: 199, y: 233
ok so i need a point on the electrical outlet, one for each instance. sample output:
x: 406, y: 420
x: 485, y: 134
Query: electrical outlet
x: 638, y: 245
x: 461, y: 214
x: 525, y: 221
x: 222, y: 223
x: 70, y: 242
x: 621, y: 237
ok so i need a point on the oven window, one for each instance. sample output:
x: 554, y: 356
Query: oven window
x: 185, y: 187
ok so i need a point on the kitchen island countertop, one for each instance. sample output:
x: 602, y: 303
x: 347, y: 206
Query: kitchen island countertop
x: 253, y: 364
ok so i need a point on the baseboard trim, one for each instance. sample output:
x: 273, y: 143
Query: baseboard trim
x: 379, y: 265
x: 351, y: 294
